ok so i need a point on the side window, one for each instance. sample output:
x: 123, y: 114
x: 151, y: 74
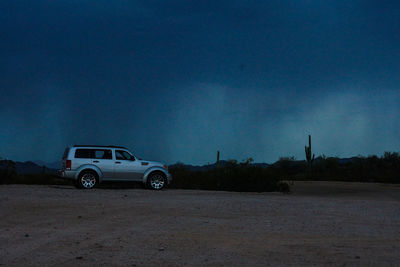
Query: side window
x: 102, y: 154
x: 83, y: 153
x: 122, y: 155
x: 119, y: 155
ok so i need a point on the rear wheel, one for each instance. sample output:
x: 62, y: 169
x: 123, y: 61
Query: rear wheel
x: 156, y: 181
x: 87, y: 179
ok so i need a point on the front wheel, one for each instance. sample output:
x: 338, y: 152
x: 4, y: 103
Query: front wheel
x: 87, y: 180
x: 156, y: 181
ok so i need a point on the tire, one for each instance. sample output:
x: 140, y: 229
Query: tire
x: 156, y: 181
x: 87, y: 179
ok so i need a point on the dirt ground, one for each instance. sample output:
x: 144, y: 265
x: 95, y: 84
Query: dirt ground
x: 320, y: 223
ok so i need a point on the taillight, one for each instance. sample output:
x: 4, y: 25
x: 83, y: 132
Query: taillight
x: 68, y: 165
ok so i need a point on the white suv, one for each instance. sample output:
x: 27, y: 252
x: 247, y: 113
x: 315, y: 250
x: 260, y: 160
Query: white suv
x: 89, y: 165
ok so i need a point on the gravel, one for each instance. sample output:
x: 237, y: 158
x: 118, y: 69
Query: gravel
x: 320, y: 223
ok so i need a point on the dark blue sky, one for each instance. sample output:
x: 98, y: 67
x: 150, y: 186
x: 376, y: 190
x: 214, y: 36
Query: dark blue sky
x: 179, y: 80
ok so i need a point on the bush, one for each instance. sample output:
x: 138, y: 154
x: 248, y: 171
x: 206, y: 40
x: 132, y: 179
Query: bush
x: 7, y: 171
x: 385, y: 169
x: 234, y: 176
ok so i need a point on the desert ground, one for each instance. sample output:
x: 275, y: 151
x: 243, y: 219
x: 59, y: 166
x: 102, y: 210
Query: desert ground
x: 319, y: 223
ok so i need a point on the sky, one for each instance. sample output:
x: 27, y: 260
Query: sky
x: 175, y: 81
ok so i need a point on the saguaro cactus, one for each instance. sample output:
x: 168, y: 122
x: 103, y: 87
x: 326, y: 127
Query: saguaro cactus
x: 309, y: 158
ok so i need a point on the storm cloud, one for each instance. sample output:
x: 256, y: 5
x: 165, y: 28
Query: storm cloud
x: 177, y: 81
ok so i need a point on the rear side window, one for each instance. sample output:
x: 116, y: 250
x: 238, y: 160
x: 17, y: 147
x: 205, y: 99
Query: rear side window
x: 83, y: 153
x: 102, y: 154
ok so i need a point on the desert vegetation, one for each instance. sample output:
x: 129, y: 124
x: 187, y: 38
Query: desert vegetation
x: 385, y: 169
x: 9, y: 175
x: 8, y: 171
x: 245, y: 176
x: 232, y: 175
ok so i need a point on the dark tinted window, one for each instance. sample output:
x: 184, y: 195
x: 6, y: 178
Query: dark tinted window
x: 123, y: 155
x: 102, y: 154
x: 83, y: 153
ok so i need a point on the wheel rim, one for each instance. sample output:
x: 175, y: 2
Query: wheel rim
x: 88, y: 180
x: 157, y: 181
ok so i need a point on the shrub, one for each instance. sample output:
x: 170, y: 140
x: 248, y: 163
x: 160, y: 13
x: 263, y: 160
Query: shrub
x: 7, y: 171
x: 233, y: 176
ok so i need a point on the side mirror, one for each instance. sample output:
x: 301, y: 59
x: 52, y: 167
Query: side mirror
x: 132, y: 158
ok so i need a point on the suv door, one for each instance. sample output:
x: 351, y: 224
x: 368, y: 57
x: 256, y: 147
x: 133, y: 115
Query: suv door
x: 102, y: 158
x: 126, y: 167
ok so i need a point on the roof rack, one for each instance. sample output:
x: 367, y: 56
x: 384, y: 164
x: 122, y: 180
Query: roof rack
x: 99, y: 146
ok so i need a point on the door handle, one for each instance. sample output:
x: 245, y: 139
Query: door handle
x: 95, y: 161
x: 118, y: 162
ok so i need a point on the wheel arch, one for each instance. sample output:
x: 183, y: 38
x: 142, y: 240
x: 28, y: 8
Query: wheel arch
x: 88, y: 167
x: 153, y: 170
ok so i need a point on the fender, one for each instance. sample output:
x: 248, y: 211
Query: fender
x: 89, y: 167
x: 155, y: 168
